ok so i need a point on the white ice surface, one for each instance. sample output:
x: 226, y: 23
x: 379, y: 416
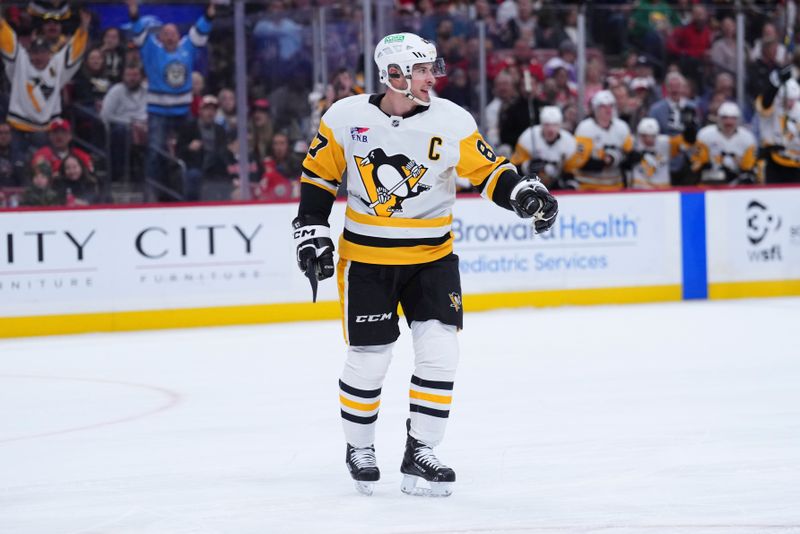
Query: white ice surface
x: 670, y: 418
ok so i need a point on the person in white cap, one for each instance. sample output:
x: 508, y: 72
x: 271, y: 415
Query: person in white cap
x: 548, y: 150
x: 401, y: 152
x: 603, y: 143
x: 779, y: 143
x: 649, y: 161
x: 726, y: 152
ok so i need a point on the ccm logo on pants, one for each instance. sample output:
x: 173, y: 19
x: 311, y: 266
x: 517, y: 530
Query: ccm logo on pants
x: 373, y: 318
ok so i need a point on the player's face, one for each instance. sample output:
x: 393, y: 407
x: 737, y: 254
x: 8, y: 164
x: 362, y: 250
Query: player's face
x: 728, y: 124
x: 648, y: 140
x: 422, y: 80
x: 550, y: 132
x: 604, y: 113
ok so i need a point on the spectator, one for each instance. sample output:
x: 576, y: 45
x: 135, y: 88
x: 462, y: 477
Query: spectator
x: 40, y: 191
x: 92, y: 83
x: 291, y: 110
x: 75, y: 185
x: 202, y: 147
x: 507, y: 115
x: 459, y: 90
x: 441, y: 11
x: 12, y: 164
x: 37, y: 77
x: 168, y: 63
x: 60, y: 147
x: 522, y: 58
x: 113, y: 54
x: 650, y: 23
x: 724, y: 84
x: 124, y: 108
x: 667, y: 111
x: 198, y: 87
x: 49, y: 29
x: 282, y: 168
x: 261, y: 127
x: 255, y: 168
x: 226, y: 114
x: 769, y: 34
x: 723, y: 51
x: 690, y: 43
x: 567, y: 54
x: 525, y: 23
x: 566, y: 91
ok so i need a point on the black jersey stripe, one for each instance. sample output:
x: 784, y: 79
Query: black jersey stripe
x: 362, y: 393
x: 384, y: 242
x: 443, y: 414
x: 433, y: 384
x: 360, y: 420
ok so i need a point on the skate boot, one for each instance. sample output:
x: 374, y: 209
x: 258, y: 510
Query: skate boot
x: 419, y: 463
x: 361, y: 464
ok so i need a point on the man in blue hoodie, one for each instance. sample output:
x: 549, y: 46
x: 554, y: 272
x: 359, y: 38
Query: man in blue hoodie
x: 168, y: 62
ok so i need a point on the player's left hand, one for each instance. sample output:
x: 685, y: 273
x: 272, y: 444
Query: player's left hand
x: 531, y: 199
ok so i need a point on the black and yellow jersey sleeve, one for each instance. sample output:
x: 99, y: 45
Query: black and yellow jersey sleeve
x: 484, y: 169
x: 8, y: 41
x: 324, y: 164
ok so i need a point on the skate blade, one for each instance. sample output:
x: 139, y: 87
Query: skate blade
x: 435, y: 489
x: 363, y: 487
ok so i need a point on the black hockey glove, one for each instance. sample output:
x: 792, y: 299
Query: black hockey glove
x: 314, y: 250
x: 531, y: 199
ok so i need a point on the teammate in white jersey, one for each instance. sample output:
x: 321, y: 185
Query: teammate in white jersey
x: 650, y: 159
x: 603, y: 144
x: 777, y: 127
x: 402, y: 152
x: 549, y: 150
x: 726, y: 152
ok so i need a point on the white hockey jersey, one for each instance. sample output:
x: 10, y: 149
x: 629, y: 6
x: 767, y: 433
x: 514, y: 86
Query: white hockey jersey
x: 778, y: 129
x: 401, y: 174
x: 717, y: 154
x: 595, y: 142
x: 36, y: 94
x: 559, y: 157
x: 652, y: 172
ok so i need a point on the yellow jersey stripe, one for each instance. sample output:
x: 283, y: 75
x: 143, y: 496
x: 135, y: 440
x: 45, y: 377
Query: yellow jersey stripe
x: 439, y: 399
x: 398, y: 222
x: 394, y: 255
x: 360, y: 406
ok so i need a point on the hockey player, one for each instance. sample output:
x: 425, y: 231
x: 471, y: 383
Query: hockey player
x: 649, y: 162
x: 549, y: 150
x: 603, y: 143
x: 777, y: 128
x: 37, y: 76
x: 726, y: 152
x: 401, y: 152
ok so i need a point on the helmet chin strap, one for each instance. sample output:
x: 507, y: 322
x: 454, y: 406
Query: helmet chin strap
x: 408, y: 94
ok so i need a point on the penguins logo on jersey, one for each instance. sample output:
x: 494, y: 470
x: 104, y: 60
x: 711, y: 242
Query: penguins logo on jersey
x: 390, y: 180
x: 455, y: 300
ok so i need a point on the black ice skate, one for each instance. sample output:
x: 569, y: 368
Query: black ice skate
x: 361, y: 464
x: 419, y: 462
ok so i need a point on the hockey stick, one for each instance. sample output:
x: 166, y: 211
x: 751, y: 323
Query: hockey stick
x: 311, y: 274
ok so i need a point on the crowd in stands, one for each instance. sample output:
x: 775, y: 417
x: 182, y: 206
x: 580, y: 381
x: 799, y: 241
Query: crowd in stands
x: 87, y: 107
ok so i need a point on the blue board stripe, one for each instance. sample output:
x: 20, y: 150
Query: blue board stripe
x: 693, y: 235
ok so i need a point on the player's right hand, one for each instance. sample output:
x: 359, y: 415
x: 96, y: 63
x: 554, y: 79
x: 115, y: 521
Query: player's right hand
x: 531, y: 199
x: 314, y: 247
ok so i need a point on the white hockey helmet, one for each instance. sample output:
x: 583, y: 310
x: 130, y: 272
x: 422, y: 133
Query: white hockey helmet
x: 790, y: 90
x: 648, y: 126
x: 404, y: 50
x: 603, y: 98
x: 551, y: 115
x: 729, y: 109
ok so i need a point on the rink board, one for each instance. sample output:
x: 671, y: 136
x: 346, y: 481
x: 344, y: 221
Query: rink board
x: 122, y: 268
